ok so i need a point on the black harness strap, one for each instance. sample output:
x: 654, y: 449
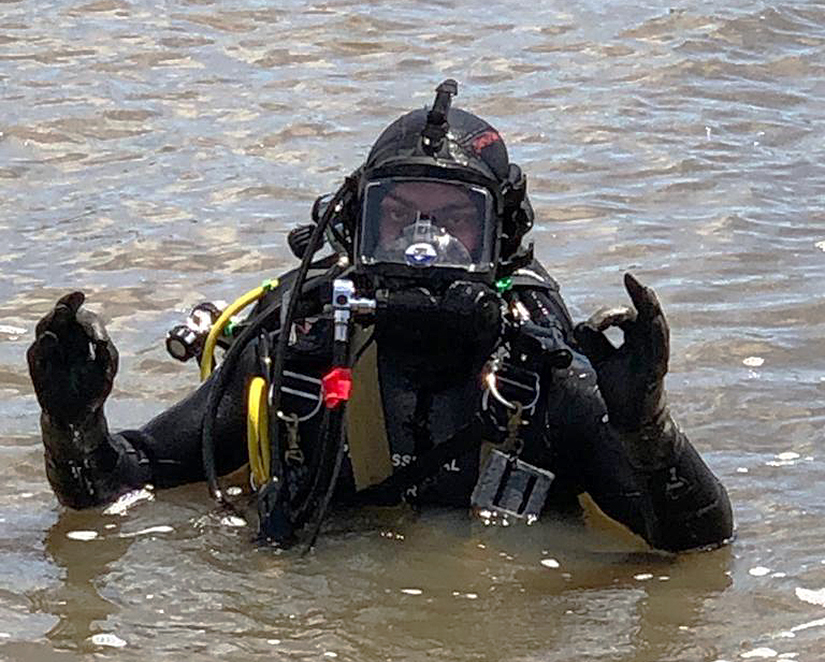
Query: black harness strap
x: 390, y: 491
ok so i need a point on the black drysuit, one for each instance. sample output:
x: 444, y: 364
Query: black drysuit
x: 675, y: 503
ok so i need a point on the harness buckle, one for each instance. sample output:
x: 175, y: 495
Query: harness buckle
x: 509, y: 487
x: 306, y: 395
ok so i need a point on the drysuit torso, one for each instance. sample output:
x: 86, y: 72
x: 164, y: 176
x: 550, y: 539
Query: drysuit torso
x: 403, y: 407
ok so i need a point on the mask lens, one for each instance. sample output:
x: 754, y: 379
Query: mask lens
x: 423, y: 223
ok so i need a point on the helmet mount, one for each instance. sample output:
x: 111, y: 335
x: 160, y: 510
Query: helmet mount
x: 432, y: 137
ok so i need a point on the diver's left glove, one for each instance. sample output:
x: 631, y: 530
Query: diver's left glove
x: 631, y: 377
x: 72, y: 362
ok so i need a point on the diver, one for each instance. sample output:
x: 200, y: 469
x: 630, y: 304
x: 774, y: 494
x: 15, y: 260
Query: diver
x: 426, y: 357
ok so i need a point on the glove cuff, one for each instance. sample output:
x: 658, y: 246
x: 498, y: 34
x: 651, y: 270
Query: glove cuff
x: 656, y: 443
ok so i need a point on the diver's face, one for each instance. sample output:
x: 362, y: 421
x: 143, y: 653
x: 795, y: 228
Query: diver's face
x: 447, y: 206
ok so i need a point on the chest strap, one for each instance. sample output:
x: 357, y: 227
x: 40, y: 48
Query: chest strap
x: 390, y: 491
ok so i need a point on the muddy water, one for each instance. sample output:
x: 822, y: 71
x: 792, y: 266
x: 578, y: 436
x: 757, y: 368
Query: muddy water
x: 155, y: 154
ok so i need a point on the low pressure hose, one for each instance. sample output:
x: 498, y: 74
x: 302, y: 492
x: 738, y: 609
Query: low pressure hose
x: 257, y: 430
x: 217, y: 328
x: 315, y: 241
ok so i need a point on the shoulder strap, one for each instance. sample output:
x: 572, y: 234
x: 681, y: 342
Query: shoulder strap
x: 534, y: 275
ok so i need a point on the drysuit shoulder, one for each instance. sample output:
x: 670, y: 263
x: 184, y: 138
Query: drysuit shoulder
x: 540, y: 292
x: 534, y: 275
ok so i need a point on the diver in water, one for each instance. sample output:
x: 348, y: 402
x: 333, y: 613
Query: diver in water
x: 428, y: 358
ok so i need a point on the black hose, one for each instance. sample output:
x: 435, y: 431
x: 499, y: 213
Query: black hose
x: 218, y: 387
x: 332, y: 435
x: 249, y: 333
x: 283, y: 337
x: 306, y: 499
x: 333, y: 481
x: 335, y: 433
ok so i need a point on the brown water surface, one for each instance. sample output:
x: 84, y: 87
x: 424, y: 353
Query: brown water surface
x: 154, y: 154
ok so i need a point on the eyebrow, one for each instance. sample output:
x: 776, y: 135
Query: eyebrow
x: 412, y: 203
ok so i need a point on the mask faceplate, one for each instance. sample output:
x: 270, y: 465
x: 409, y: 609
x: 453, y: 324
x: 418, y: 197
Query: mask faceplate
x: 423, y: 223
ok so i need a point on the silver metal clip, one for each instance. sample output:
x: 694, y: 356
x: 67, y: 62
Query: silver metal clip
x: 293, y: 453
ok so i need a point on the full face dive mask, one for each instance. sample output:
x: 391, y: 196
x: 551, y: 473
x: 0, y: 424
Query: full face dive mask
x: 419, y: 226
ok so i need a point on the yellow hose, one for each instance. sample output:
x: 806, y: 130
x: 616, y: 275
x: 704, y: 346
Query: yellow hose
x: 217, y: 328
x: 257, y: 430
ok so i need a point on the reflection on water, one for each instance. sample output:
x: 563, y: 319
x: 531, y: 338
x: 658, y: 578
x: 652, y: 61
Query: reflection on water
x: 156, y: 155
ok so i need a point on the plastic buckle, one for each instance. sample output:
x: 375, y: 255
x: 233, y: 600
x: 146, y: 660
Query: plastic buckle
x: 511, y: 487
x: 337, y: 386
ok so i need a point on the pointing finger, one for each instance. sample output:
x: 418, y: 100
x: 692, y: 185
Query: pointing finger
x: 659, y: 345
x: 644, y: 298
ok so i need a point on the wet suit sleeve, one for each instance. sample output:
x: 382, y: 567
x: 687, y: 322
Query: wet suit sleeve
x: 72, y: 363
x: 676, y: 505
x: 672, y: 500
x: 171, y: 442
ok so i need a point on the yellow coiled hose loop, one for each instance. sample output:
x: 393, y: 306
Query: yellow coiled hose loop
x: 257, y: 416
x: 233, y: 309
x: 257, y: 430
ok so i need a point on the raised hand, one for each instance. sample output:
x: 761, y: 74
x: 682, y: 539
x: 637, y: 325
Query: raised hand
x: 631, y: 377
x: 72, y: 361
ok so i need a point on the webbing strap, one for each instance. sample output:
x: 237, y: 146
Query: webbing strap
x: 391, y: 490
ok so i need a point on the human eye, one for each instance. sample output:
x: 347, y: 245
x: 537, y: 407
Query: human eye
x: 392, y: 211
x: 398, y: 213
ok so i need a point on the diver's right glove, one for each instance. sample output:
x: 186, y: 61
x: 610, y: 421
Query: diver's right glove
x: 72, y: 362
x: 631, y: 377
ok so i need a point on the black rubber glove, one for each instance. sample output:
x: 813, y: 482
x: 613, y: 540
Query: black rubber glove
x: 682, y: 503
x: 72, y: 362
x: 631, y: 377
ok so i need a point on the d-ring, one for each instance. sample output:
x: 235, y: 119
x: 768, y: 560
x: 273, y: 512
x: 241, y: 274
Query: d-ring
x: 491, y: 384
